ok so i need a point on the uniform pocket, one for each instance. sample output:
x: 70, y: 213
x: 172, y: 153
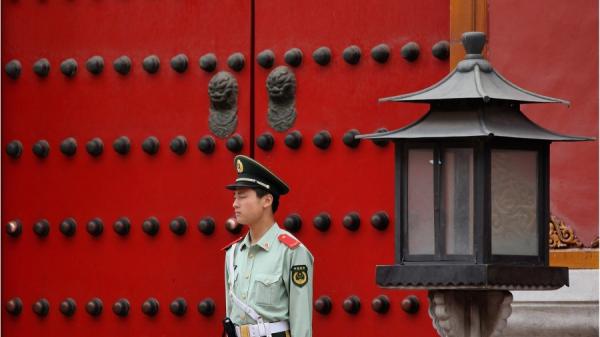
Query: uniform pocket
x: 266, y: 287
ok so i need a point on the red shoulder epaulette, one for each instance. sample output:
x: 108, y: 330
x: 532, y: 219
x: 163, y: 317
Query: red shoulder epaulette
x: 288, y: 241
x: 232, y: 242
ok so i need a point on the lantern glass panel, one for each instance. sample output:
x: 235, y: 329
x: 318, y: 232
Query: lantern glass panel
x: 514, y: 183
x: 420, y: 211
x: 457, y: 200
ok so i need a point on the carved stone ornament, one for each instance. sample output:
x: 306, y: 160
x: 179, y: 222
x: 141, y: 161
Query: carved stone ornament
x: 473, y: 313
x: 561, y: 235
x: 281, y: 86
x: 222, y: 92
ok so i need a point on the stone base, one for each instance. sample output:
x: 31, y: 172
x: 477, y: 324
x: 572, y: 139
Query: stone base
x: 469, y: 313
x: 567, y: 312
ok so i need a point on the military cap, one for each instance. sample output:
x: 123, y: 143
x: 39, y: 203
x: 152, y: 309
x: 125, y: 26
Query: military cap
x: 252, y: 174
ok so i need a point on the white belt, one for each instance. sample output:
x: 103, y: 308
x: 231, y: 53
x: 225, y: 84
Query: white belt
x: 270, y: 328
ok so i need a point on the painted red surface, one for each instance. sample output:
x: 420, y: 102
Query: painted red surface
x: 551, y: 47
x: 336, y: 97
x: 137, y: 185
x: 339, y: 97
x: 338, y: 180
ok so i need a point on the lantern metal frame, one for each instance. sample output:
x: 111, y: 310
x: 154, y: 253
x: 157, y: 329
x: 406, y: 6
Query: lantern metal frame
x: 481, y: 201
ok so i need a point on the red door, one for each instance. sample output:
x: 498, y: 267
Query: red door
x: 340, y: 179
x: 49, y: 191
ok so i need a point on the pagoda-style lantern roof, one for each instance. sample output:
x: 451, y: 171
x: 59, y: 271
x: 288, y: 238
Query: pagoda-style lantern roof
x: 473, y: 101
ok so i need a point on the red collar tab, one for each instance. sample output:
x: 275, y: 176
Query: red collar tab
x: 232, y: 242
x: 288, y: 241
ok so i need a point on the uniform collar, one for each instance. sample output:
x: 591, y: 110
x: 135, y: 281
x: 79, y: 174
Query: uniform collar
x: 266, y: 242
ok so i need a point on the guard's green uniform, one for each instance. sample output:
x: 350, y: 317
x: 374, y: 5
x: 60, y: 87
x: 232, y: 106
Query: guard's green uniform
x: 273, y: 279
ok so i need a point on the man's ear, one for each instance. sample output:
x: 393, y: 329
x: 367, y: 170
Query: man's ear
x: 268, y: 200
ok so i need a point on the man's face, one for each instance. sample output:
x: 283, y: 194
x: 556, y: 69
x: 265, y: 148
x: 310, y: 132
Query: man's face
x: 248, y: 207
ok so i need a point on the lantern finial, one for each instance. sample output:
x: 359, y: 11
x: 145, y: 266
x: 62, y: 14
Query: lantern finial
x: 473, y: 43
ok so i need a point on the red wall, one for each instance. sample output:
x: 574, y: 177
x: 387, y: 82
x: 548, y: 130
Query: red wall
x: 551, y: 47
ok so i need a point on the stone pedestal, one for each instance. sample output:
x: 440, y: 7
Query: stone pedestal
x: 567, y: 312
x: 469, y: 313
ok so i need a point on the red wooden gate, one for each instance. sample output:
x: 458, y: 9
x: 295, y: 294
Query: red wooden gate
x: 45, y: 190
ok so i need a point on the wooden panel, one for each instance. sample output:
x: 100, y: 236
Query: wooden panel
x: 465, y: 16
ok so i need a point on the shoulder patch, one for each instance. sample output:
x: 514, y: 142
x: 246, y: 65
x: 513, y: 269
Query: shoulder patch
x: 232, y: 242
x: 289, y: 241
x: 300, y: 275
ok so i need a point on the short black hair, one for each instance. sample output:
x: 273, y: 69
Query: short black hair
x: 261, y: 192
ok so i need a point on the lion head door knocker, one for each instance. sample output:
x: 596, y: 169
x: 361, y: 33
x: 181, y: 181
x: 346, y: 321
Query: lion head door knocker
x: 222, y: 92
x: 281, y: 85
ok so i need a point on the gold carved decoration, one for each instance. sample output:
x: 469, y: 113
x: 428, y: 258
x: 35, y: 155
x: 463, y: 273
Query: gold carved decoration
x: 594, y: 243
x: 561, y: 235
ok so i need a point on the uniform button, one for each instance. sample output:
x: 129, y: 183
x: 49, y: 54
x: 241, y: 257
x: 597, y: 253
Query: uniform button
x: 247, y: 276
x: 244, y: 296
x: 250, y: 256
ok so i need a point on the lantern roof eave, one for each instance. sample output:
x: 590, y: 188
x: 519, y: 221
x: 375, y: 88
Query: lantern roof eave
x: 474, y: 79
x: 486, y: 120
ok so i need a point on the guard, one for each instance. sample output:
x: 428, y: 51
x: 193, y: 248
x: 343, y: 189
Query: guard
x: 268, y: 272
